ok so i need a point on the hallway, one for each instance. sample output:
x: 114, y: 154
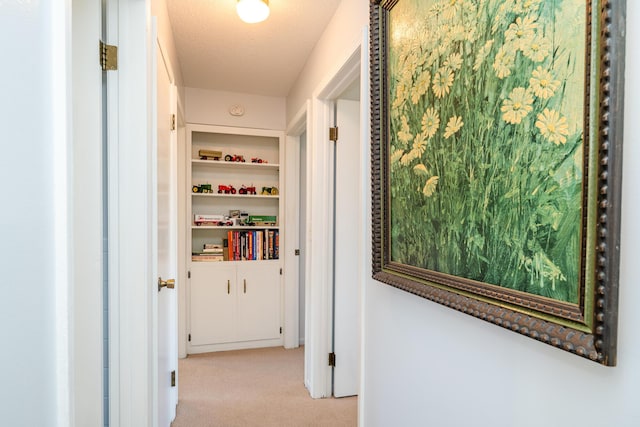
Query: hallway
x: 254, y: 387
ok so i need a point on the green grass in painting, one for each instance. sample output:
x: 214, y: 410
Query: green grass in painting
x: 486, y: 139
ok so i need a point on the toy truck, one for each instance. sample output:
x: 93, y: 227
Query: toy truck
x: 216, y: 220
x: 210, y: 154
x: 226, y: 189
x: 263, y: 220
x: 269, y: 191
x: 202, y: 188
x: 247, y: 190
x: 234, y: 158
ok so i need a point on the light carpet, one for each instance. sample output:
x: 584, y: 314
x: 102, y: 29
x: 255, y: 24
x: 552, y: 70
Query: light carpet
x: 261, y: 387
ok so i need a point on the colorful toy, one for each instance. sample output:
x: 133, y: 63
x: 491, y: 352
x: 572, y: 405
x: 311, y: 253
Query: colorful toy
x: 226, y: 189
x: 234, y: 158
x: 202, y: 188
x: 210, y: 154
x: 269, y: 191
x: 247, y: 190
x: 215, y: 220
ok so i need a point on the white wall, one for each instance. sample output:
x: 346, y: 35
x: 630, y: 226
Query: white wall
x: 342, y: 33
x: 427, y: 365
x: 34, y: 192
x: 211, y: 107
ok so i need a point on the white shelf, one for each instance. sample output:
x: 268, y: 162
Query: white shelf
x: 231, y: 262
x: 234, y: 165
x: 235, y: 227
x: 246, y: 196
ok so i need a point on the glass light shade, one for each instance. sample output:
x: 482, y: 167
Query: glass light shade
x: 252, y: 11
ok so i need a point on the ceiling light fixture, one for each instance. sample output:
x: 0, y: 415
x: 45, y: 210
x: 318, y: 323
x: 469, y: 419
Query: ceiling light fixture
x: 253, y: 11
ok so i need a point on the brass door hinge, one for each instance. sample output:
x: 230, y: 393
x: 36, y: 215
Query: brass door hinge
x: 108, y: 57
x: 332, y: 359
x: 173, y: 122
x: 173, y: 378
x: 333, y: 134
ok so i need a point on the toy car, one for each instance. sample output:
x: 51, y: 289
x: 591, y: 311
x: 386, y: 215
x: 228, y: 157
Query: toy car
x: 257, y: 160
x: 269, y: 191
x: 202, y: 188
x: 247, y: 190
x: 226, y: 189
x: 234, y: 158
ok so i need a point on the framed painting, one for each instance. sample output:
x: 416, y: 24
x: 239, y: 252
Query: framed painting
x: 496, y: 161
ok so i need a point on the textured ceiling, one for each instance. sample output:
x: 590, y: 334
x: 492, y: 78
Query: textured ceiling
x: 218, y: 51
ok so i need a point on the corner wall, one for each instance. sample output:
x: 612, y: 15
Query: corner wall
x: 342, y: 33
x: 427, y: 365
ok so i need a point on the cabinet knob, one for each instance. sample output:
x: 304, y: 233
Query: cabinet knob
x: 170, y: 284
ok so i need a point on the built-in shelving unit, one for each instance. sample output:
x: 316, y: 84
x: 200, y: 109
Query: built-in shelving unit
x: 234, y: 266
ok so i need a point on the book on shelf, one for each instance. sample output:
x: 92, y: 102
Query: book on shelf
x: 206, y: 257
x: 212, y: 246
x: 213, y: 251
x: 251, y: 245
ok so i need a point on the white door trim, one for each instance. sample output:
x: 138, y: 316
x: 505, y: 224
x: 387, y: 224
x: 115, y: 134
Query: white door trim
x: 131, y: 333
x: 297, y: 126
x: 113, y: 208
x: 86, y: 214
x: 63, y: 205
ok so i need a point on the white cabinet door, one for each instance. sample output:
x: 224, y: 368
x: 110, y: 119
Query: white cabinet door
x: 258, y: 301
x: 213, y: 303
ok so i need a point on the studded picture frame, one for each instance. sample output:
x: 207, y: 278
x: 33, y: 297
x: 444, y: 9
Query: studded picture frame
x: 497, y: 161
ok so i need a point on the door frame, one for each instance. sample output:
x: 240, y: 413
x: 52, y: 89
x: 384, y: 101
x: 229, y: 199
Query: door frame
x: 299, y: 125
x: 132, y: 350
x: 319, y: 299
x: 84, y: 225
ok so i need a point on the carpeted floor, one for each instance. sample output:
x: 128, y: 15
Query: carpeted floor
x: 262, y: 387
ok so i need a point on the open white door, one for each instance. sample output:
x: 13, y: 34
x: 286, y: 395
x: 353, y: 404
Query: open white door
x: 346, y: 326
x: 166, y: 176
x: 334, y: 327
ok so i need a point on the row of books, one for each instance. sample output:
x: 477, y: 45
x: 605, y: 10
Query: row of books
x: 252, y: 245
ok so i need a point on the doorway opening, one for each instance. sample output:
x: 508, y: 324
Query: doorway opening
x: 333, y: 326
